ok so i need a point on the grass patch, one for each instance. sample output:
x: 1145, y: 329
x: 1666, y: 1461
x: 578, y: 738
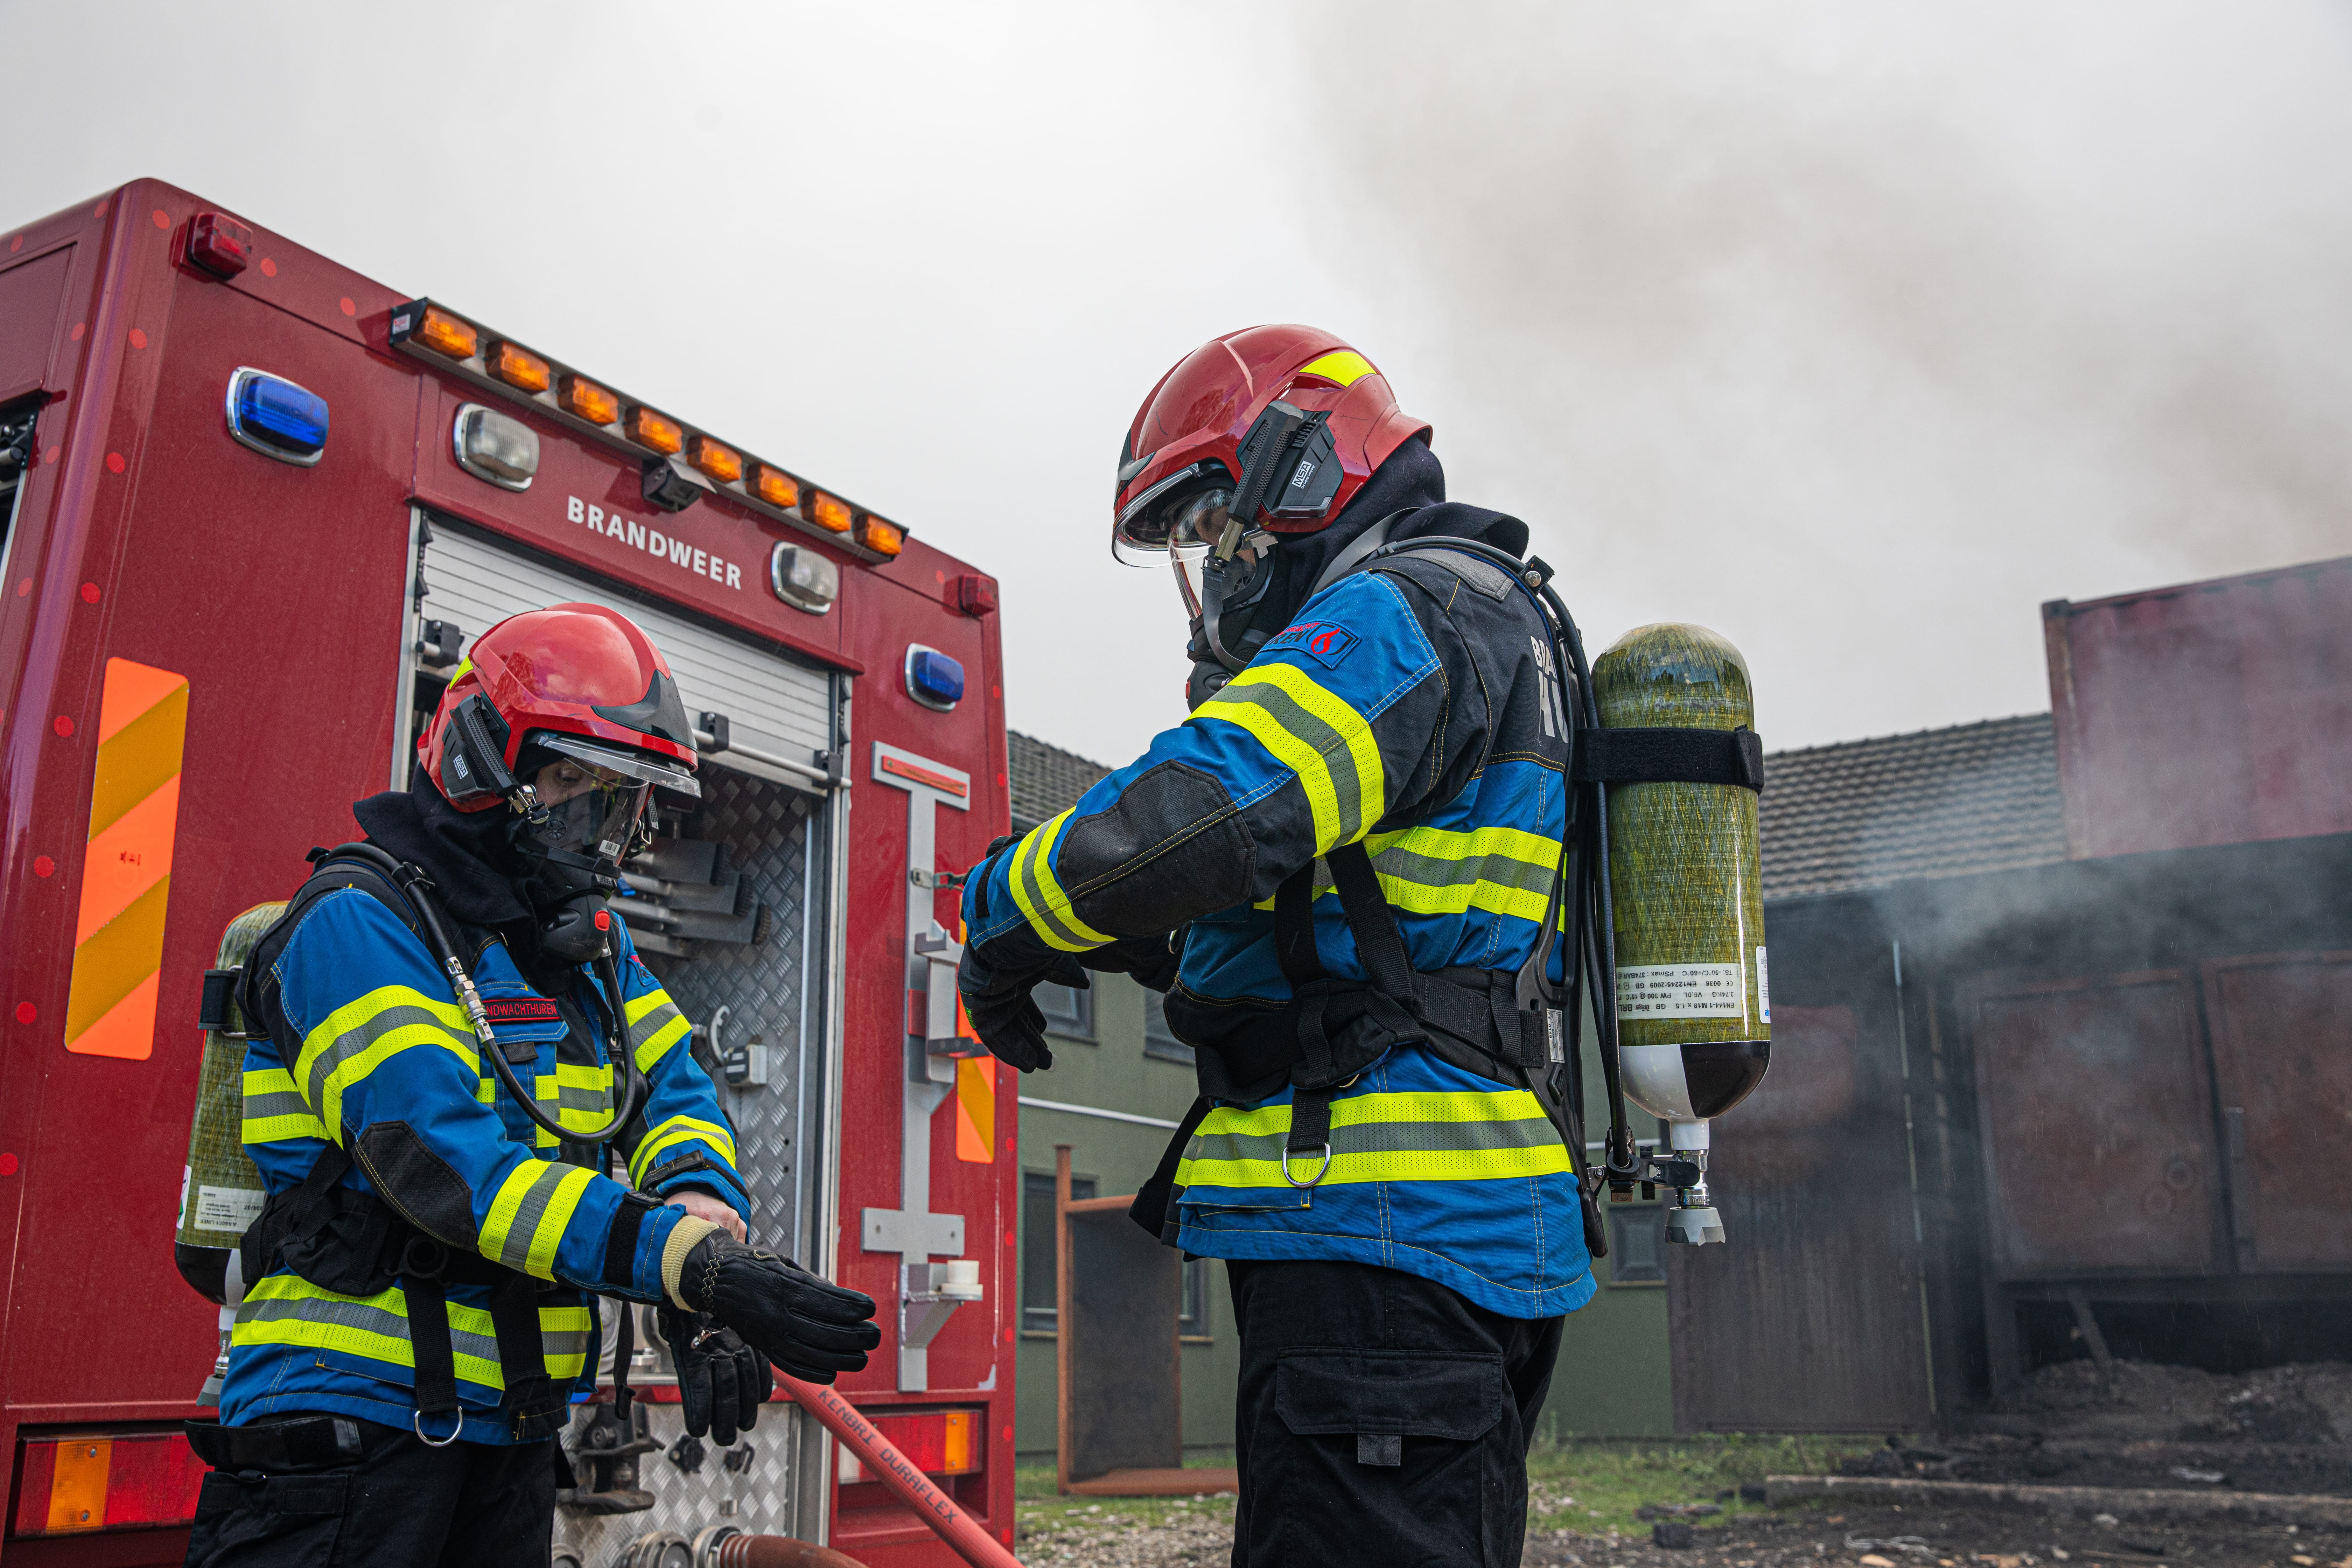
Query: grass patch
x: 1596, y: 1486
x: 1040, y: 1513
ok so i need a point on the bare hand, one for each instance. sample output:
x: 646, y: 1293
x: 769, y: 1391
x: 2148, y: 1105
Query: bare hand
x: 702, y: 1205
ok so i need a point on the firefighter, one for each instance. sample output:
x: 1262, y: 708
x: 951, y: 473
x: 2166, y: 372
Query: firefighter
x: 1334, y: 870
x: 417, y: 1315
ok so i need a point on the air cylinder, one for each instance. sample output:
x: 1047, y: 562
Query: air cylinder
x: 1693, y: 1000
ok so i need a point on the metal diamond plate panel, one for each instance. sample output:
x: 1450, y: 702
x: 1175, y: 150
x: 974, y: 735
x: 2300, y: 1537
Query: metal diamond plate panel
x: 769, y: 992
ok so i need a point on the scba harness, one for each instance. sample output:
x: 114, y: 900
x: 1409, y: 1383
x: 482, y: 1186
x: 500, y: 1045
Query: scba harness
x: 361, y: 1244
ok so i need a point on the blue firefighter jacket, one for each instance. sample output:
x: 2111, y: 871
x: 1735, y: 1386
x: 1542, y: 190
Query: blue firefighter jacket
x: 1409, y: 707
x: 388, y: 1061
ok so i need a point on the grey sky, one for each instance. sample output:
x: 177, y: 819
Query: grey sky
x: 1852, y: 330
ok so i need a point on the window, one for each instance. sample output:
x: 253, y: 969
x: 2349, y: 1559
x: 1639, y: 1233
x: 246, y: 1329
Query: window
x: 1040, y: 1304
x: 1069, y: 1011
x: 1192, y: 1314
x: 1159, y: 1042
x: 1637, y: 1244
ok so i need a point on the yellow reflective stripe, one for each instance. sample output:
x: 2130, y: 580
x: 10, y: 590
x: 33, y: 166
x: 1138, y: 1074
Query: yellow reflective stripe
x: 1043, y: 902
x: 1400, y: 1165
x: 527, y: 1218
x: 656, y: 1045
x: 679, y: 1129
x: 361, y: 1036
x: 1345, y: 366
x: 1325, y: 726
x: 1246, y: 1137
x: 290, y: 1310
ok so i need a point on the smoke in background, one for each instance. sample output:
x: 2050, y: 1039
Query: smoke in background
x: 1857, y: 331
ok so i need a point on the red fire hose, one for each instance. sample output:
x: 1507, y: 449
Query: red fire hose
x: 877, y: 1453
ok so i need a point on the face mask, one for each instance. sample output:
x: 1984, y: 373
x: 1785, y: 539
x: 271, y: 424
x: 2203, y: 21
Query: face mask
x: 572, y: 848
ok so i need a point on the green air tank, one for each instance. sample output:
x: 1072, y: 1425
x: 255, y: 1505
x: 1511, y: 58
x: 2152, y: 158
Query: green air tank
x: 1693, y: 1001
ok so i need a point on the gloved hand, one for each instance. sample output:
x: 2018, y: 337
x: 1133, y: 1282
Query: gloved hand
x: 721, y: 1380
x: 997, y: 1002
x: 811, y: 1329
x: 1152, y: 961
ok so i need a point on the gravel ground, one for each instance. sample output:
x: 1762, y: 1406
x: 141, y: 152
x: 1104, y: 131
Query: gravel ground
x: 1794, y: 1538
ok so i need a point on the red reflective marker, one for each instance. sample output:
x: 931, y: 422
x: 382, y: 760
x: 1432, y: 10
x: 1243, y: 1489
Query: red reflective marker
x: 7, y: 1165
x: 43, y: 865
x: 26, y: 1012
x: 114, y: 464
x: 162, y: 218
x: 89, y: 594
x: 64, y: 725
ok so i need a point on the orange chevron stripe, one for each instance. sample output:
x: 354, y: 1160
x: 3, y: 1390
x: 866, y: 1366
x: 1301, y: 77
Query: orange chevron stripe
x: 976, y: 1110
x: 127, y: 868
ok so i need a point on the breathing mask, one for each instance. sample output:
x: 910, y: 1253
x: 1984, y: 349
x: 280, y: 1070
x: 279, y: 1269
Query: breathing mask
x: 580, y: 816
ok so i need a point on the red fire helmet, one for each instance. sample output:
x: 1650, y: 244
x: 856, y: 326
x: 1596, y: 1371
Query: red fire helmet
x: 1291, y: 412
x: 583, y: 670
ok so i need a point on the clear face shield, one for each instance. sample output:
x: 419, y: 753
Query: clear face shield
x: 1178, y: 521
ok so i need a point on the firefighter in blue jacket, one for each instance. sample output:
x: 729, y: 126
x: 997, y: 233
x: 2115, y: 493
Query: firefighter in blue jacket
x: 1335, y: 868
x: 457, y: 1028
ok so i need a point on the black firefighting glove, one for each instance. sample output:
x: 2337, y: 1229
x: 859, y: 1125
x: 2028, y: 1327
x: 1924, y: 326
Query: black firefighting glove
x: 997, y: 1002
x: 811, y: 1329
x: 721, y: 1380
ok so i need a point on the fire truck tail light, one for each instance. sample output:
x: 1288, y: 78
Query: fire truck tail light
x: 881, y: 537
x: 74, y: 1486
x: 722, y: 463
x: 491, y: 445
x: 654, y: 432
x: 446, y: 334
x: 933, y: 678
x: 936, y: 1442
x: 517, y: 367
x: 803, y: 579
x: 274, y: 416
x: 220, y: 245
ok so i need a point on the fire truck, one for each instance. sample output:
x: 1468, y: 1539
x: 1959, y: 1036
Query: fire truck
x: 256, y: 505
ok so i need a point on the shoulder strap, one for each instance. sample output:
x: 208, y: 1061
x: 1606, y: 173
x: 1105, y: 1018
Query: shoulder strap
x: 332, y: 872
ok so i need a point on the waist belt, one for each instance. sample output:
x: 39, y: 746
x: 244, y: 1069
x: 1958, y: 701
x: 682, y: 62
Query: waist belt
x: 1333, y: 1029
x: 304, y: 1442
x: 355, y: 1244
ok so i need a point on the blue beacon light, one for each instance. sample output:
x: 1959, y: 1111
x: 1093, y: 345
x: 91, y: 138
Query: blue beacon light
x: 933, y: 678
x: 276, y: 417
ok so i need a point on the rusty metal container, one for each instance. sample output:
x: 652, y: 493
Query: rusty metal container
x: 2215, y: 712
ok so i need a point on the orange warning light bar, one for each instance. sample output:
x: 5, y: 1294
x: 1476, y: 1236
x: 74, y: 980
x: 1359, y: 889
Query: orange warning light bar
x: 721, y: 462
x: 517, y: 367
x: 578, y: 394
x: 827, y: 512
x: 654, y: 432
x: 775, y: 487
x: 882, y: 537
x: 446, y: 334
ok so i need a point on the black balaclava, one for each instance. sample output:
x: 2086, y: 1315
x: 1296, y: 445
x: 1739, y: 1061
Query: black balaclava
x: 1412, y: 480
x: 474, y: 867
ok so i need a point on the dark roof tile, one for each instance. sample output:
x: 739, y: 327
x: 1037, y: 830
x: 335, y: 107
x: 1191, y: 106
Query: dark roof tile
x: 1045, y: 779
x: 1936, y: 803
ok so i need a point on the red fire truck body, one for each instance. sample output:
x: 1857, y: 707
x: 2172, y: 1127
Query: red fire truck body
x: 208, y: 650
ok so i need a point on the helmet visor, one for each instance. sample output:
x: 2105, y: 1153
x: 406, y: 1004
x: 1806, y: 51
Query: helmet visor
x: 619, y: 760
x: 1182, y: 516
x: 589, y: 810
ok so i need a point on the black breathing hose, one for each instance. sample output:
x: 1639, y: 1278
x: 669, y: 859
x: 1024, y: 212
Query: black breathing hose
x: 417, y: 888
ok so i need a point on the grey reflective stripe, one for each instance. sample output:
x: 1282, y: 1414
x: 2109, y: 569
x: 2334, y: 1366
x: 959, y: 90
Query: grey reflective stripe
x: 276, y: 1103
x: 1339, y: 762
x: 580, y: 1096
x: 652, y: 1023
x: 1038, y: 899
x: 555, y: 1344
x: 1502, y: 870
x: 357, y: 1038
x: 1385, y: 1138
x: 514, y: 1248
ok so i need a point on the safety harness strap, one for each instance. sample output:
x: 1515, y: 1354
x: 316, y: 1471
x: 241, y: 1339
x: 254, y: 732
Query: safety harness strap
x: 1671, y: 756
x: 1155, y: 1202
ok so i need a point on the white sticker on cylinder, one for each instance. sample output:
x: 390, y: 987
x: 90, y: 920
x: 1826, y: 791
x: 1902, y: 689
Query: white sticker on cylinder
x: 230, y: 1209
x: 1682, y: 990
x: 1763, y: 989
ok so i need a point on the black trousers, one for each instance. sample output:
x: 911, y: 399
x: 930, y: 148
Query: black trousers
x: 400, y: 1504
x: 1383, y: 1420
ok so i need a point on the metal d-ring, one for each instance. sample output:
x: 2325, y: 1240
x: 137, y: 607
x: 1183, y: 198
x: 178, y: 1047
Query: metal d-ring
x: 416, y: 1424
x: 1319, y: 1170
